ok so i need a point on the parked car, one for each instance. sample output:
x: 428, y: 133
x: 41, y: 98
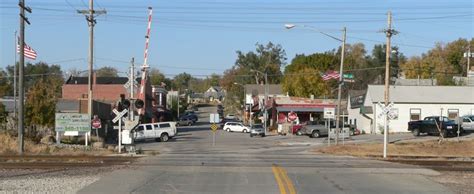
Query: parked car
x: 230, y: 116
x: 193, y: 108
x: 184, y: 122
x: 468, y: 123
x: 316, y: 129
x: 236, y: 126
x: 162, y: 131
x: 225, y: 120
x: 430, y: 125
x: 257, y: 130
x: 192, y: 117
x: 296, y: 129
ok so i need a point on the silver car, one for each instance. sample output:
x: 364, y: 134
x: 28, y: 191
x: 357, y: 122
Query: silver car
x: 257, y: 130
x: 468, y: 123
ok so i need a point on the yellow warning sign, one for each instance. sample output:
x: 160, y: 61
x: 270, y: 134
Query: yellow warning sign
x: 214, y: 127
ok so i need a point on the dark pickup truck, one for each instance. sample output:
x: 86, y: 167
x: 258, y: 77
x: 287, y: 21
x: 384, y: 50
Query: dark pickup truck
x: 430, y: 125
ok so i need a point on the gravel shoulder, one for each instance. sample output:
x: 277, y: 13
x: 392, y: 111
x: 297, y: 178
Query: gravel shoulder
x: 50, y: 180
x: 459, y: 182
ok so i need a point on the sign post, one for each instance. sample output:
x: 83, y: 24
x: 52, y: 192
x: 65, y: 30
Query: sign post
x: 328, y: 115
x: 388, y: 112
x: 118, y: 117
x: 72, y: 124
x: 213, y: 119
x: 214, y: 129
x: 96, y: 124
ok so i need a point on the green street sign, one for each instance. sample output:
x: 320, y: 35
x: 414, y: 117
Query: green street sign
x: 348, y: 76
x: 72, y: 122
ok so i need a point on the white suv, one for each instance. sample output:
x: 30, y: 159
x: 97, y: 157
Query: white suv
x: 236, y: 126
x: 162, y: 131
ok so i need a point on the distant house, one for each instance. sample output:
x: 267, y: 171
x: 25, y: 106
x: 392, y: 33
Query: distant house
x: 410, y: 103
x: 214, y: 94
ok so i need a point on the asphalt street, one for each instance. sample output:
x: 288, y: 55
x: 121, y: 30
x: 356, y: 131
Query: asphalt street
x: 237, y: 163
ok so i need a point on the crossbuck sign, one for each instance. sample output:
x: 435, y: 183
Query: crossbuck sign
x: 119, y: 115
x: 387, y: 110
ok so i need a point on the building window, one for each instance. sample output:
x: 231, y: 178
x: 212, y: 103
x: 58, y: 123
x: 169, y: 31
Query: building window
x: 415, y: 114
x: 453, y: 114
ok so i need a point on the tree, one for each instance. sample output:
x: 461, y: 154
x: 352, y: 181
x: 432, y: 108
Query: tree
x: 3, y: 115
x: 34, y: 72
x: 303, y: 76
x: 106, y: 72
x: 41, y: 103
x: 441, y: 62
x: 304, y: 82
x: 156, y: 77
x: 214, y: 80
x: 268, y: 58
x: 181, y: 81
x: 5, y: 85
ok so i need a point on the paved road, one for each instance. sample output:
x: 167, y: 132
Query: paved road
x: 240, y: 164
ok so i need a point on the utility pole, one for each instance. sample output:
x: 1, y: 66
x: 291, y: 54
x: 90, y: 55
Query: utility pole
x: 389, y: 33
x: 91, y: 22
x: 14, y: 80
x: 341, y: 81
x: 469, y: 55
x: 21, y: 94
x: 265, y: 117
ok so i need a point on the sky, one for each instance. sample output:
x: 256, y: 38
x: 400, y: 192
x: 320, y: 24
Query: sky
x: 201, y: 37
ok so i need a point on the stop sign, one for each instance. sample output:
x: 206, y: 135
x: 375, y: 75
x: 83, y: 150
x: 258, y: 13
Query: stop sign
x: 292, y: 116
x: 96, y: 124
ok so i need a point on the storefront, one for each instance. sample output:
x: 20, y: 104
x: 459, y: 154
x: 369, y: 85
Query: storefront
x: 306, y: 109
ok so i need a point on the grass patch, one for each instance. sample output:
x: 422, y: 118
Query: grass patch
x: 426, y: 148
x: 9, y: 146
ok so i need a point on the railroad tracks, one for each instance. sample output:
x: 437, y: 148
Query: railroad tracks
x: 50, y: 162
x: 440, y: 165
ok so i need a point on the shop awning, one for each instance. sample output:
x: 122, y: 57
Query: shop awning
x: 300, y: 109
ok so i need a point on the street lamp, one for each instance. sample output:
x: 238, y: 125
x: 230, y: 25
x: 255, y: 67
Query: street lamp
x: 341, y: 68
x: 265, y: 113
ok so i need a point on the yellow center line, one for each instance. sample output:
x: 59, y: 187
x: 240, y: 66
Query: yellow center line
x: 284, y: 182
x: 278, y: 179
x: 287, y: 179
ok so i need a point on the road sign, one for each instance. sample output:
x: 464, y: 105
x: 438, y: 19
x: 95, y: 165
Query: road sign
x: 118, y: 114
x: 72, y: 122
x: 387, y: 110
x: 214, y: 118
x: 348, y: 76
x: 214, y: 127
x: 292, y: 116
x: 118, y: 117
x: 329, y: 113
x: 96, y: 123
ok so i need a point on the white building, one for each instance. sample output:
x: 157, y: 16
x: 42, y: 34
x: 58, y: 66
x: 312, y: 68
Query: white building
x: 410, y: 103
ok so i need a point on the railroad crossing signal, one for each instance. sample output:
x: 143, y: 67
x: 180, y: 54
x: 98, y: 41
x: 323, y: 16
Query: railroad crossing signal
x: 119, y: 114
x: 214, y: 127
x: 387, y: 110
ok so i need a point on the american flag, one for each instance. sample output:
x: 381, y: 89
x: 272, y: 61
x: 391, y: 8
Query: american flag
x: 29, y: 52
x: 330, y: 75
